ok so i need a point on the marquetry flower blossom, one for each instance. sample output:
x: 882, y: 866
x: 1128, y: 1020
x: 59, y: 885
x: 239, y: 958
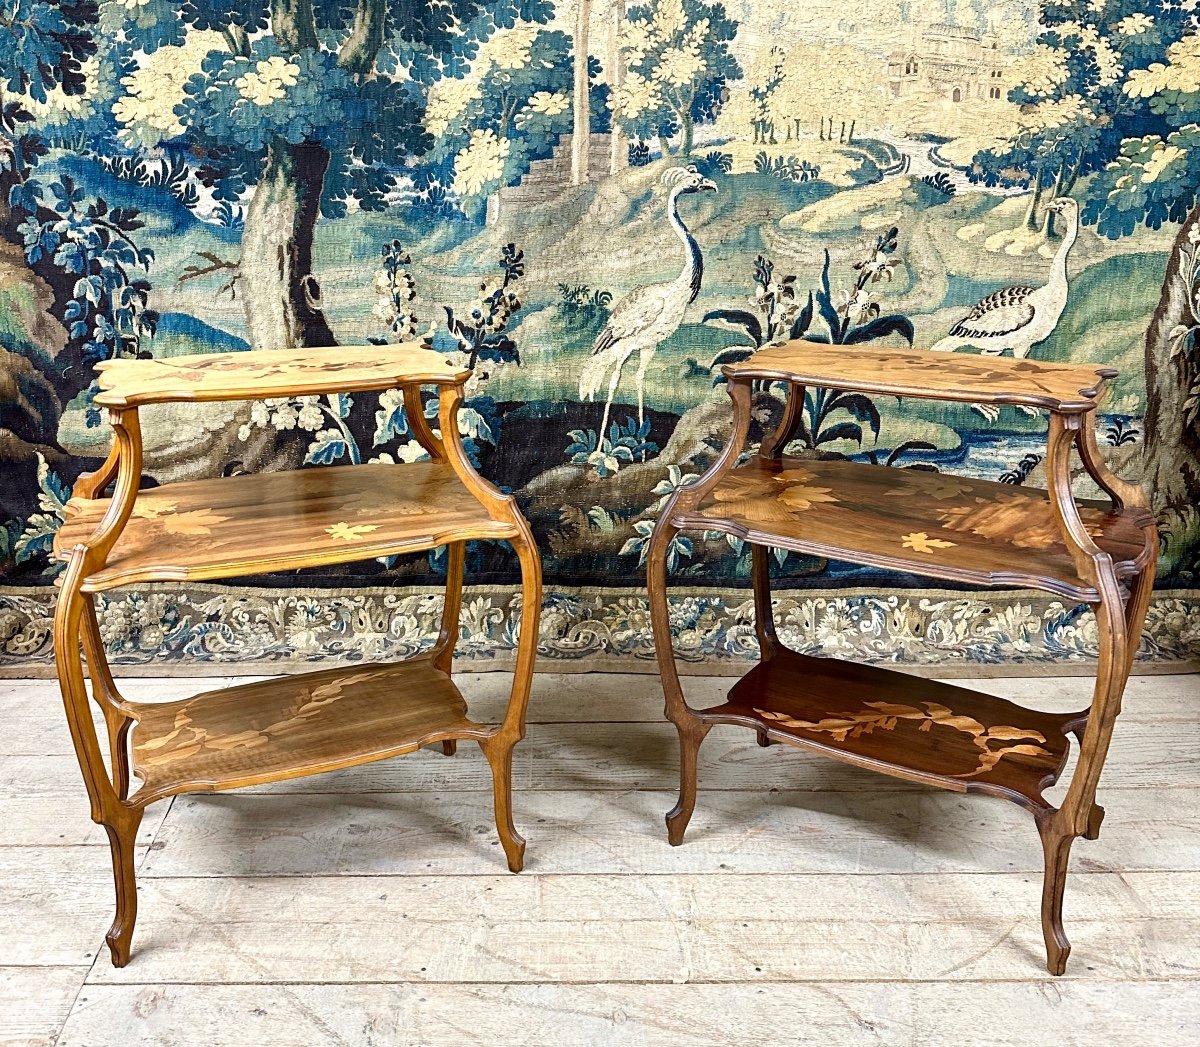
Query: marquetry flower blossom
x: 920, y: 542
x: 190, y: 522
x: 803, y: 497
x: 350, y: 532
x: 268, y: 81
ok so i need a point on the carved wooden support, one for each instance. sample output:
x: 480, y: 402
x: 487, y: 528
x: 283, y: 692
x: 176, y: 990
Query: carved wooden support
x: 789, y: 425
x: 414, y: 410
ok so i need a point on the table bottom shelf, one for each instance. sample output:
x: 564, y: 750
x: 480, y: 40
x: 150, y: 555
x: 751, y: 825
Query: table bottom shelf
x: 902, y: 725
x: 292, y: 726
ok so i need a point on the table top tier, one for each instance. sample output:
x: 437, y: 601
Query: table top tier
x: 265, y: 373
x: 967, y: 377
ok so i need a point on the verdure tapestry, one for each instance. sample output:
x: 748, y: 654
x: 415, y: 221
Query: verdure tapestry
x: 594, y: 205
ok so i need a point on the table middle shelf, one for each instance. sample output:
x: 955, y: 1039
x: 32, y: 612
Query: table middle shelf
x: 292, y: 726
x: 931, y: 524
x: 224, y: 528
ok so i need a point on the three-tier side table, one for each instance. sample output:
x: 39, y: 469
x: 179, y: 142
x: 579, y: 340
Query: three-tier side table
x: 939, y: 526
x: 243, y: 525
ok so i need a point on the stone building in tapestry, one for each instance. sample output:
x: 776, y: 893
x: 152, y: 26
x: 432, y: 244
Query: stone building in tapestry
x: 953, y: 62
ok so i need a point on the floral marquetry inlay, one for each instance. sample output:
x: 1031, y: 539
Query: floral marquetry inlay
x: 759, y: 500
x: 885, y: 716
x: 350, y: 532
x: 920, y: 542
x: 192, y: 522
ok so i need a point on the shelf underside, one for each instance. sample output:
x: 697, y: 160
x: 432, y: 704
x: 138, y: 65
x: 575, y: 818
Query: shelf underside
x: 903, y: 725
x: 291, y: 726
x: 931, y: 524
x: 223, y: 528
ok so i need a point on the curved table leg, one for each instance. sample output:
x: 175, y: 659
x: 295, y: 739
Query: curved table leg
x: 1056, y: 845
x: 789, y: 424
x: 692, y: 730
x: 120, y: 819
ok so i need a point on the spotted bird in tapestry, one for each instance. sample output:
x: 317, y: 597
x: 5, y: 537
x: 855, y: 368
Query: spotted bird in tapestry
x: 594, y: 204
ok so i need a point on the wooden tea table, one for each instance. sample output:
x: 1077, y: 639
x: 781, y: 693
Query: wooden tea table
x: 225, y: 528
x: 939, y: 526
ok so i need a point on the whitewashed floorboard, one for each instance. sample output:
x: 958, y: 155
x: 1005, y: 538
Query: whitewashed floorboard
x: 812, y: 903
x: 34, y: 1002
x: 681, y: 928
x: 1163, y: 1014
x: 589, y: 832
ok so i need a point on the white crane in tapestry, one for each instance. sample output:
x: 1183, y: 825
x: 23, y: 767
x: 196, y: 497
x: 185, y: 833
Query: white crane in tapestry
x: 1015, y: 319
x: 647, y: 315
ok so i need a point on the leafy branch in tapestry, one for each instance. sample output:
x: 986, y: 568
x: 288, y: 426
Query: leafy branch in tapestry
x: 626, y: 442
x: 681, y: 546
x: 481, y: 333
x: 854, y: 316
x: 679, y: 63
x: 108, y: 315
x: 35, y: 538
x: 851, y: 316
x: 582, y: 310
x: 481, y: 328
x: 777, y: 314
x: 510, y: 109
x: 1185, y: 335
x: 397, y: 292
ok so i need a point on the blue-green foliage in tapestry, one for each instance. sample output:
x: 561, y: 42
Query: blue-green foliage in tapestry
x: 207, y: 176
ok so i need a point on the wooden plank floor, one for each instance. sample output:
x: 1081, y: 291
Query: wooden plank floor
x: 812, y: 904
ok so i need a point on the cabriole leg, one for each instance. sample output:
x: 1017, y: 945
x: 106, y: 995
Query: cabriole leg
x: 120, y: 820
x: 1056, y: 846
x: 499, y: 756
x: 122, y: 841
x: 692, y: 733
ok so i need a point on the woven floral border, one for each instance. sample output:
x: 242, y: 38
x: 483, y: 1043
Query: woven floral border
x: 206, y: 626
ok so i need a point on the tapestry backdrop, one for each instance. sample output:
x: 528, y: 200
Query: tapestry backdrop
x: 595, y: 204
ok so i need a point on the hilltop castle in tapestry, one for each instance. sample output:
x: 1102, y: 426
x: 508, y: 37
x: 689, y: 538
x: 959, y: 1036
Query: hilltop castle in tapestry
x: 951, y: 61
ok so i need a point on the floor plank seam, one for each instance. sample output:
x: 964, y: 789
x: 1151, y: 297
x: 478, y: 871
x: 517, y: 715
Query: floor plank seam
x: 1043, y: 980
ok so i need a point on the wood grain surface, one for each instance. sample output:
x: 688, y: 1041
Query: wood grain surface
x: 937, y: 733
x: 263, y: 373
x: 966, y: 377
x: 930, y: 524
x: 295, y: 725
x: 222, y: 528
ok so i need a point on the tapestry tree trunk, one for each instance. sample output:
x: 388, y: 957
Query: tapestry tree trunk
x: 280, y: 294
x: 687, y: 131
x: 1171, y: 448
x: 581, y: 133
x: 1039, y: 186
x: 618, y: 154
